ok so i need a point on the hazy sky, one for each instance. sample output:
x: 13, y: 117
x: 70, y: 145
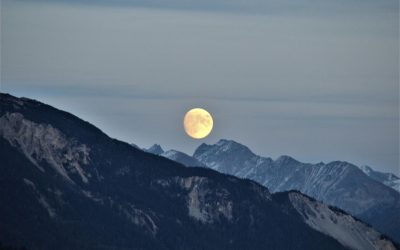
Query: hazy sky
x: 317, y: 80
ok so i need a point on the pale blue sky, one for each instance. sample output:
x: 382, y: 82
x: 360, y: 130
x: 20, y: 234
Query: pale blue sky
x: 317, y: 80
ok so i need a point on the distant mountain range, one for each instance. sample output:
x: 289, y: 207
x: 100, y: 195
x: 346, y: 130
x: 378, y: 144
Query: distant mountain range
x: 67, y: 185
x: 175, y: 155
x: 362, y: 192
x: 388, y: 179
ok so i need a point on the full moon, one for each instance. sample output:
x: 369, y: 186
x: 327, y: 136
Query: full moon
x: 198, y: 123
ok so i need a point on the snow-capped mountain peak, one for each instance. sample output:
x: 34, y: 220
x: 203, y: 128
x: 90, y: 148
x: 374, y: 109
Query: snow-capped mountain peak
x: 155, y: 149
x: 285, y: 160
x: 230, y: 145
x: 366, y: 169
x: 387, y: 179
x: 228, y: 150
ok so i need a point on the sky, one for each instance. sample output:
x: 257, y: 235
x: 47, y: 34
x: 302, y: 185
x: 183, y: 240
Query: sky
x: 316, y: 80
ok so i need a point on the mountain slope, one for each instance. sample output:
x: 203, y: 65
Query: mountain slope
x: 175, y: 155
x: 388, y: 179
x: 340, y: 184
x: 334, y: 222
x: 155, y: 149
x: 67, y: 185
x: 182, y: 158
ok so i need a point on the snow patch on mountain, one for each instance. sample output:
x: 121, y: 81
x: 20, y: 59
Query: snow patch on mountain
x: 388, y: 179
x: 44, y: 143
x: 232, y: 153
x: 285, y: 160
x: 171, y: 154
x: 342, y: 227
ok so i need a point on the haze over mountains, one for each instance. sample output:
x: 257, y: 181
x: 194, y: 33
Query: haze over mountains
x: 67, y: 185
x: 362, y: 192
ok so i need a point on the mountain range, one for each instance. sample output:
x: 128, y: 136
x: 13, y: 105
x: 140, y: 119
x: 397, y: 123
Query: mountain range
x: 175, y: 155
x: 366, y: 194
x: 388, y: 179
x: 67, y: 185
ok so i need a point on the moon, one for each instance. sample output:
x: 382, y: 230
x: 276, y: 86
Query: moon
x: 198, y: 123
